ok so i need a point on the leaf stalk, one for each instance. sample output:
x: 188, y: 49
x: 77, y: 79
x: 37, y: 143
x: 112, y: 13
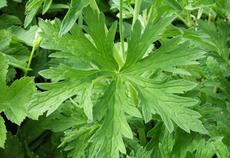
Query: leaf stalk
x: 121, y: 27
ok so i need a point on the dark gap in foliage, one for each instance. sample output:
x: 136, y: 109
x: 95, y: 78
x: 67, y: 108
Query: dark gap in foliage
x: 15, y: 8
x: 19, y: 73
x: 204, y: 17
x: 52, y: 16
x: 215, y: 156
x: 117, y: 36
x: 150, y: 125
x: 178, y: 23
x: 44, y: 137
x: 73, y: 97
x: 128, y: 20
x: 218, y: 90
x: 41, y: 79
x: 57, y: 13
x: 157, y: 44
x: 49, y: 145
x: 12, y: 127
x: 200, y: 79
x: 111, y: 16
x: 227, y: 78
x: 39, y: 62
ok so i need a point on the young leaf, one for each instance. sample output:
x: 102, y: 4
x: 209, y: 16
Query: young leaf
x: 76, y: 7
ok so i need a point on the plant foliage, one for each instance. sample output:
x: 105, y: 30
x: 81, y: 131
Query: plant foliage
x: 97, y: 79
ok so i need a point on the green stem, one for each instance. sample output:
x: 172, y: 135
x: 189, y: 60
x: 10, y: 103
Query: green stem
x: 30, y: 60
x: 80, y: 21
x: 199, y: 13
x: 142, y: 137
x: 136, y: 11
x: 189, y: 21
x: 58, y: 6
x: 36, y: 45
x: 183, y: 20
x: 121, y: 27
x: 209, y: 17
x: 149, y: 14
x: 94, y: 5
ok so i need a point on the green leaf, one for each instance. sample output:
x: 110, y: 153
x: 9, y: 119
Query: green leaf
x: 3, y: 3
x: 166, y: 144
x: 198, y: 145
x: 5, y: 39
x: 17, y: 99
x: 4, y: 69
x: 32, y: 7
x: 141, y: 40
x: 50, y: 100
x: 87, y: 102
x: 52, y: 40
x: 212, y: 147
x: 12, y: 144
x: 169, y: 56
x: 26, y: 36
x: 2, y: 132
x: 107, y: 141
x: 174, y: 4
x: 142, y: 153
x: 103, y: 38
x: 160, y: 98
x: 9, y: 20
x: 46, y: 6
x: 73, y: 140
x: 85, y: 73
x: 13, y: 51
x: 76, y: 7
x: 66, y: 117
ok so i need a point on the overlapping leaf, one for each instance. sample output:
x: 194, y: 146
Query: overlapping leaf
x: 14, y: 99
x: 15, y: 108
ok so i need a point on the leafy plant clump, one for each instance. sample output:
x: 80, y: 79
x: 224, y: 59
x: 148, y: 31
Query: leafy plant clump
x: 114, y: 79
